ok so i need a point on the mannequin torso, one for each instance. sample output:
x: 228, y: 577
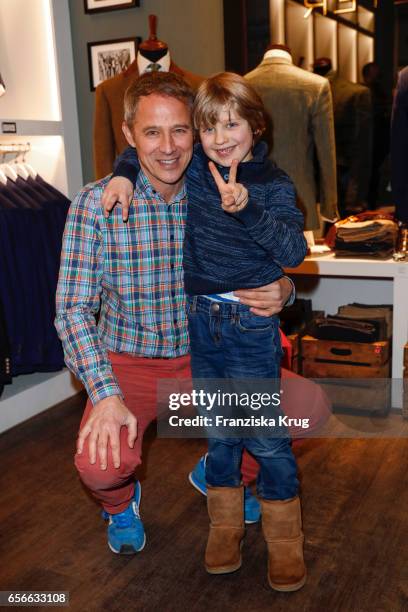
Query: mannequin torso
x: 109, y: 141
x: 299, y: 103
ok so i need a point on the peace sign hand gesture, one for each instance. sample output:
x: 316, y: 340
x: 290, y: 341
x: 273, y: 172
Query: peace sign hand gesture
x: 234, y: 196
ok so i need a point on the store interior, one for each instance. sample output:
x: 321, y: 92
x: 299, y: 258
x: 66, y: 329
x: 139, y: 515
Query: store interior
x: 56, y: 119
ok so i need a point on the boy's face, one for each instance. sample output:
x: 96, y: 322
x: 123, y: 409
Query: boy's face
x: 230, y: 138
x: 162, y: 134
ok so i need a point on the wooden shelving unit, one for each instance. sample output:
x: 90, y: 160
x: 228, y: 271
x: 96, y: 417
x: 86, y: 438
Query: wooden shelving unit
x: 347, y: 39
x: 40, y: 99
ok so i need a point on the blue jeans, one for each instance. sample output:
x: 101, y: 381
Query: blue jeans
x: 228, y: 341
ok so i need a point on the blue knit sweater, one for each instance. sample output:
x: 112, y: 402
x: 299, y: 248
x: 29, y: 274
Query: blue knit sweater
x: 224, y: 251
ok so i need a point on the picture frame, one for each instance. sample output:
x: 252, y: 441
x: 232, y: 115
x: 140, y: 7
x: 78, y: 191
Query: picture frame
x: 101, y: 6
x: 108, y: 58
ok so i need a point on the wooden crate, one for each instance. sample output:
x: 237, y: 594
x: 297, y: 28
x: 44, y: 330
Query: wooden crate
x: 332, y: 359
x: 346, y: 355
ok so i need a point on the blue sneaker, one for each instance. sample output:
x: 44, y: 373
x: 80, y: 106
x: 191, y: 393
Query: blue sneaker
x: 126, y: 535
x: 252, y: 507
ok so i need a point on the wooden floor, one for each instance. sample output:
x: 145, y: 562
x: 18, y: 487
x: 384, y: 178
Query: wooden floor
x: 355, y: 504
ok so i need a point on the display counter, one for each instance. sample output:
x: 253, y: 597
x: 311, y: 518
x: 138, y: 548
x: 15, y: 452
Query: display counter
x: 337, y: 281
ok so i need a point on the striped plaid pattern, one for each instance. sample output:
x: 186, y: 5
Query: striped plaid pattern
x: 133, y: 272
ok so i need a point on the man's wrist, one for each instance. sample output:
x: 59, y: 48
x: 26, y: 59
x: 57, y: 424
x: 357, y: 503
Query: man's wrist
x: 101, y: 387
x: 108, y: 399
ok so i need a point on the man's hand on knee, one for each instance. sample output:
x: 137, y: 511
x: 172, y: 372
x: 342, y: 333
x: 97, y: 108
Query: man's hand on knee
x: 103, y: 428
x: 268, y: 300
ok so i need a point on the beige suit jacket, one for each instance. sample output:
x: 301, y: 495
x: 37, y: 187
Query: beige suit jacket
x: 108, y: 140
x: 300, y: 105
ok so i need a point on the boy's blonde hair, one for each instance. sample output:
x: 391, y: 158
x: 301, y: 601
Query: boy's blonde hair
x: 232, y: 90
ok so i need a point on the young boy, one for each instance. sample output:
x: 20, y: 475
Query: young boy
x: 242, y: 227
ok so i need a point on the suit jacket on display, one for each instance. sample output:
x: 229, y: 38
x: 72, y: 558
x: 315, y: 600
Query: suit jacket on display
x: 353, y: 127
x: 109, y: 140
x: 301, y: 109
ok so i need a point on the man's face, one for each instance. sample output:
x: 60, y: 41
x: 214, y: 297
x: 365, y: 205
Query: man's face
x: 162, y: 134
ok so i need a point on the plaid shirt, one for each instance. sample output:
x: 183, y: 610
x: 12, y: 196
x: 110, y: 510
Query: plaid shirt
x: 133, y: 272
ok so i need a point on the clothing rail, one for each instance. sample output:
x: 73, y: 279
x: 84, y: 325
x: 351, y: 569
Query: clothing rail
x: 19, y: 148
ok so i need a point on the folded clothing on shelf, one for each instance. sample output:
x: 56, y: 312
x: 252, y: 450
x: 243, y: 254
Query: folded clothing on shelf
x: 348, y: 330
x: 378, y: 312
x: 354, y: 323
x: 368, y: 234
x: 365, y: 250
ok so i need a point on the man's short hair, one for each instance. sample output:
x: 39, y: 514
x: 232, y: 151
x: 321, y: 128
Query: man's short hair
x: 232, y: 90
x: 160, y: 83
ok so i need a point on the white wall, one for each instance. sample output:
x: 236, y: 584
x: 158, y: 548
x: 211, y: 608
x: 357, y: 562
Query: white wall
x: 28, y: 61
x: 36, y: 65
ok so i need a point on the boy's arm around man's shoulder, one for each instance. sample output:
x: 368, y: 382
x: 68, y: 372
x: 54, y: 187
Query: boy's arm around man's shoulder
x: 127, y: 165
x: 121, y: 186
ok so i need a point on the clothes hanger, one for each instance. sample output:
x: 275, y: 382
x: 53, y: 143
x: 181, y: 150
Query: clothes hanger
x: 15, y: 169
x: 9, y: 172
x: 21, y: 170
x: 30, y: 170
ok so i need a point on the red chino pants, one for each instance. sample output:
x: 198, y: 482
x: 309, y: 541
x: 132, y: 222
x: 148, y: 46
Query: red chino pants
x: 138, y: 378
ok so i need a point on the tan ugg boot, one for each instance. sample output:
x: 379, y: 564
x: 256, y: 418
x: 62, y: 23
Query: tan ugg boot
x: 282, y: 529
x: 226, y: 511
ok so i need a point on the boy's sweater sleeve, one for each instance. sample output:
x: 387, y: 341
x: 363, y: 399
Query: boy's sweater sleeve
x: 127, y: 165
x: 277, y: 227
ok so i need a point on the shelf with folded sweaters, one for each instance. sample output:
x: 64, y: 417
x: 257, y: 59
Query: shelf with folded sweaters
x: 38, y: 107
x: 331, y: 281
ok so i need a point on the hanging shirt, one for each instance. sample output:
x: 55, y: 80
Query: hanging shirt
x: 146, y: 65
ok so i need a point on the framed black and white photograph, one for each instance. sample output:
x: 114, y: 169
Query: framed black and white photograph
x: 107, y: 58
x: 99, y: 6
